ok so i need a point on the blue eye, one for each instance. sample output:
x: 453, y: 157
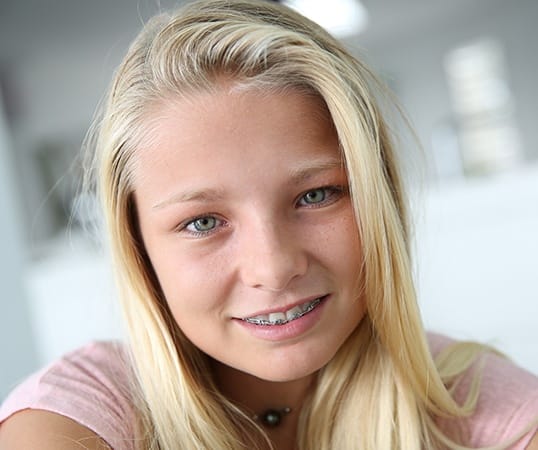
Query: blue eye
x: 202, y: 224
x: 315, y: 196
x: 321, y: 196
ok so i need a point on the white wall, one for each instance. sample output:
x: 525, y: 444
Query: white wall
x: 478, y: 240
x: 477, y: 247
x: 17, y: 347
x: 72, y: 298
x: 414, y: 64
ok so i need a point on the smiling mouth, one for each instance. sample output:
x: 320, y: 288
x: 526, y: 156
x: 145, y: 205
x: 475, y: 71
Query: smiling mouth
x: 281, y: 318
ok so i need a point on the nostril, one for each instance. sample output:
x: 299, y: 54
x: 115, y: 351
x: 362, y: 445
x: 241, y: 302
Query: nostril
x: 270, y: 254
x: 274, y: 272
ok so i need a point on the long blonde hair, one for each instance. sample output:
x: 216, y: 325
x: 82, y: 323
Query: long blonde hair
x: 382, y: 390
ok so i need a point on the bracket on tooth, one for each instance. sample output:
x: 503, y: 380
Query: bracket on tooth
x: 266, y: 322
x: 282, y: 322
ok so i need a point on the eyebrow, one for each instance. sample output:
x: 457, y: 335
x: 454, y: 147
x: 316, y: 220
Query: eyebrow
x: 311, y: 169
x: 297, y: 175
x: 205, y: 195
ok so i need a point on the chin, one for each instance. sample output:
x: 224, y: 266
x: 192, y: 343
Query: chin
x: 288, y: 371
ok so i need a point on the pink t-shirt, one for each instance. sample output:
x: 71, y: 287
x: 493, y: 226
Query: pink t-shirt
x: 91, y: 386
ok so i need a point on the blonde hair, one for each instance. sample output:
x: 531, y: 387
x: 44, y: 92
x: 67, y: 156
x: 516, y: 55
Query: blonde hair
x: 382, y: 390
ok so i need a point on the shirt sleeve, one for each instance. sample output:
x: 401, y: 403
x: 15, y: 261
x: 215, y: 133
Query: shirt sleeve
x: 89, y: 386
x: 507, y: 404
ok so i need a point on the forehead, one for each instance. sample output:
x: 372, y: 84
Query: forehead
x: 208, y: 124
x: 233, y: 98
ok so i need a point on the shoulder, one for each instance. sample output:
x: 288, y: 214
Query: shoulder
x: 507, y: 403
x: 88, y: 387
x: 47, y: 431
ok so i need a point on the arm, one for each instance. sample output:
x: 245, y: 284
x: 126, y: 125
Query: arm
x: 45, y: 430
x: 533, y: 444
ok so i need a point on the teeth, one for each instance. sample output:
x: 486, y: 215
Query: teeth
x: 280, y: 318
x: 294, y: 312
x: 277, y: 318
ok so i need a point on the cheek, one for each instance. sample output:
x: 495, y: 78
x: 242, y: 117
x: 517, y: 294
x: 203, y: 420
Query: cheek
x: 343, y: 246
x: 189, y: 282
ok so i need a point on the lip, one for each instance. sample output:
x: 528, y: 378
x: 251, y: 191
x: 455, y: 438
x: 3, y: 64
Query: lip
x: 282, y: 308
x: 289, y: 330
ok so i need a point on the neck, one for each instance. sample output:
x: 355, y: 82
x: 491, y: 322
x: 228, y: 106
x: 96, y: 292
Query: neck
x: 256, y: 395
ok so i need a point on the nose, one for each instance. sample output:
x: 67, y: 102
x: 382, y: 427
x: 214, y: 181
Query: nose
x: 271, y: 256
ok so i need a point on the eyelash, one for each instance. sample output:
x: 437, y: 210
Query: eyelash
x: 331, y: 195
x: 199, y: 233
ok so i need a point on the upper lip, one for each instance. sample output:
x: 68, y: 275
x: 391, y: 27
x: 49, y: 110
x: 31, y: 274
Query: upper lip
x: 283, y: 308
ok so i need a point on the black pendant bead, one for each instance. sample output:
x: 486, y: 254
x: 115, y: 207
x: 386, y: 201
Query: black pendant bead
x: 272, y: 417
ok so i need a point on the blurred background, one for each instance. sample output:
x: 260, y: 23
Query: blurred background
x: 465, y: 71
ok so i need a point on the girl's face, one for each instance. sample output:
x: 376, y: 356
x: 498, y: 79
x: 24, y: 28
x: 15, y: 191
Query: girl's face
x: 244, y: 211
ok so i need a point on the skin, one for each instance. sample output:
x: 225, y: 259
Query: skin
x: 262, y: 175
x: 43, y: 430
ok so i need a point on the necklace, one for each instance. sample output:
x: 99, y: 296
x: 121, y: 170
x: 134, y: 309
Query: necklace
x: 272, y: 417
